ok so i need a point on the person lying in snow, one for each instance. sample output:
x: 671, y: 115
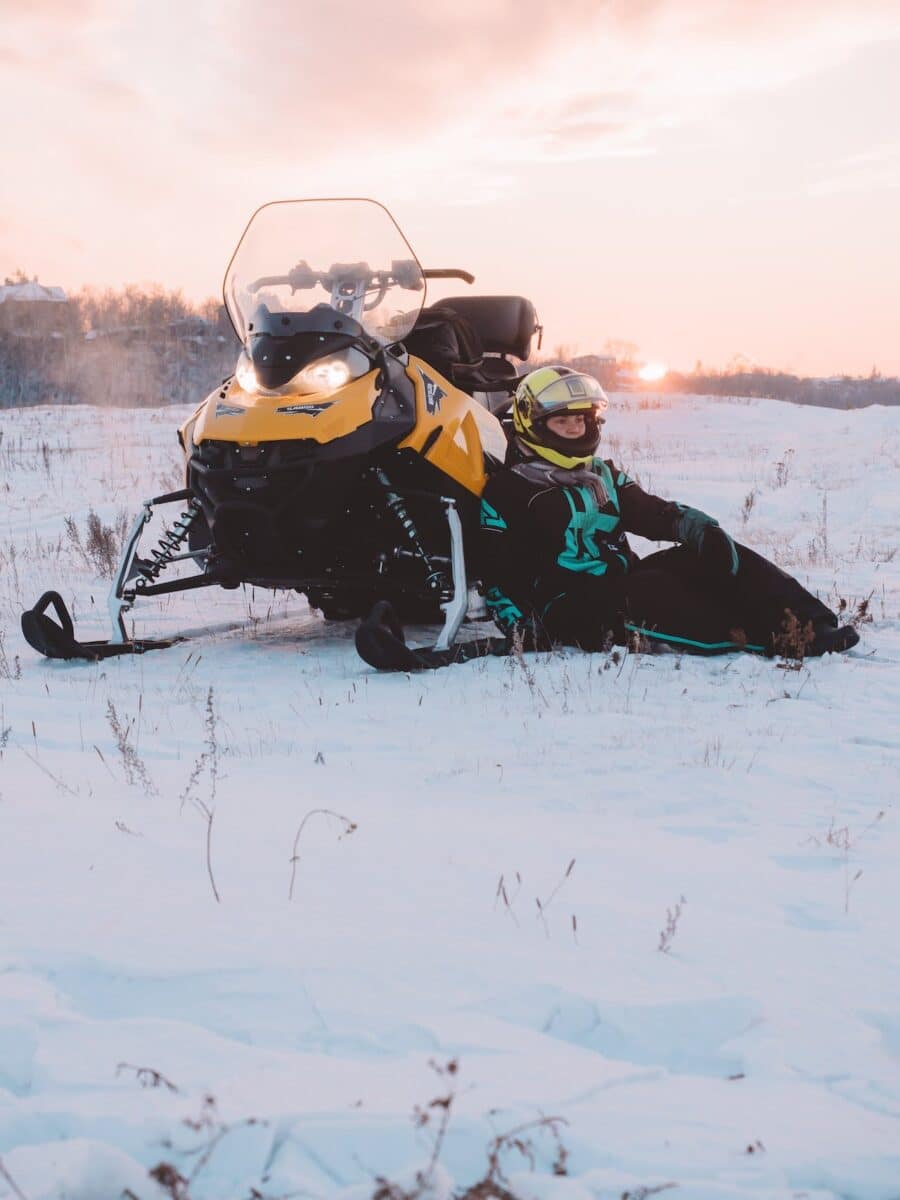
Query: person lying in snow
x: 559, y: 569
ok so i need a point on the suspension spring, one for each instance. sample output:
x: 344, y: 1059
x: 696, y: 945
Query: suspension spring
x: 434, y: 580
x: 169, y: 544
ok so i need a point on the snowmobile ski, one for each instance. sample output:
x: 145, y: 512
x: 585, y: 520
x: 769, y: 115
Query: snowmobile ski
x: 135, y: 576
x: 381, y: 642
x: 56, y: 639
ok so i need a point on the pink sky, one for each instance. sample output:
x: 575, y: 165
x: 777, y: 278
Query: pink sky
x: 705, y: 178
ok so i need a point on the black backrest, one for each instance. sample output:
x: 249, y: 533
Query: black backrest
x: 505, y: 324
x: 444, y: 338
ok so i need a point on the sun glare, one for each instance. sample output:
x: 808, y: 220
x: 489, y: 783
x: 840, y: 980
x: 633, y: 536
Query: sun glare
x: 652, y: 372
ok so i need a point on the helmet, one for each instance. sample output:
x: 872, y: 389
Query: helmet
x: 555, y: 392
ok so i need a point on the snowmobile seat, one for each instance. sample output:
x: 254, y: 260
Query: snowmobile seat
x: 444, y: 339
x: 504, y: 324
x: 468, y: 338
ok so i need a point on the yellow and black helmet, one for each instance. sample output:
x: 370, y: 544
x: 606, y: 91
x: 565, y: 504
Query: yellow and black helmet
x: 555, y: 392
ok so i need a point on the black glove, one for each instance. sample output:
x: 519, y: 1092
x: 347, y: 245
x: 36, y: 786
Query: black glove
x: 718, y: 551
x: 702, y: 533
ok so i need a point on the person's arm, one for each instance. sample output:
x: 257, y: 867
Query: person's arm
x: 664, y: 520
x: 644, y: 514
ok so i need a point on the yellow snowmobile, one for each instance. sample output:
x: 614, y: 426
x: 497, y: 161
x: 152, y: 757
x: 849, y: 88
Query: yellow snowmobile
x: 346, y: 456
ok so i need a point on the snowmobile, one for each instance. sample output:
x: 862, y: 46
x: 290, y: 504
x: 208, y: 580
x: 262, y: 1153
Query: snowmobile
x: 346, y: 456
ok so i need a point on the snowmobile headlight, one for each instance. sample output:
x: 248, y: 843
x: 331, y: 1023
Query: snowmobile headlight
x: 246, y: 376
x: 326, y: 375
x: 322, y: 375
x: 329, y: 374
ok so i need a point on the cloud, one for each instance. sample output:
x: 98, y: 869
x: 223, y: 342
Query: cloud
x: 467, y: 103
x: 11, y: 58
x: 68, y: 11
x: 44, y: 34
x: 306, y: 83
x: 170, y: 122
x: 306, y: 76
x: 875, y: 169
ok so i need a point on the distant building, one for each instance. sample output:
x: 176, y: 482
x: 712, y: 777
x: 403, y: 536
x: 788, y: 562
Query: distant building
x: 191, y: 329
x: 601, y: 366
x: 31, y: 310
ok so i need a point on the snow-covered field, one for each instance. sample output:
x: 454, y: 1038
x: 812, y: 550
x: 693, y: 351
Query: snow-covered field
x: 654, y: 897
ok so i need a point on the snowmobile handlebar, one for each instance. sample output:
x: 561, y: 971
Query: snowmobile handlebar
x: 405, y: 273
x: 301, y: 276
x: 449, y: 273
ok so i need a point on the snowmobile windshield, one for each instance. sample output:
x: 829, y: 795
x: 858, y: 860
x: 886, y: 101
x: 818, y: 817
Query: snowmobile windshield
x: 324, y: 266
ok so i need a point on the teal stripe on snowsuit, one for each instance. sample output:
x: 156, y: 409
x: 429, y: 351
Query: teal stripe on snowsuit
x: 581, y: 553
x: 606, y: 475
x: 490, y: 518
x: 701, y: 647
x: 504, y: 611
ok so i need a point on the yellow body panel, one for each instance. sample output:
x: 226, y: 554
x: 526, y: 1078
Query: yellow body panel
x: 233, y: 415
x: 465, y: 428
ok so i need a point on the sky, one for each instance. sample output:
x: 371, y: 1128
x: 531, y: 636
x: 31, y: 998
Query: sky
x: 708, y: 179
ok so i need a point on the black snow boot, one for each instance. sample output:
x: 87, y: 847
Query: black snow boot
x: 829, y: 638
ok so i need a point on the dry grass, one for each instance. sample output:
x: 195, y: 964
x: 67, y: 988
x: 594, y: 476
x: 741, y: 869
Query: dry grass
x: 794, y: 639
x: 667, y: 933
x: 9, y: 669
x: 132, y: 764
x: 207, y: 763
x: 493, y: 1185
x: 348, y: 827
x: 101, y: 546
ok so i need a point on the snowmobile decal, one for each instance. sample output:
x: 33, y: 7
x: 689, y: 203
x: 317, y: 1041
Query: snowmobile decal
x: 308, y: 410
x: 229, y: 410
x: 434, y: 393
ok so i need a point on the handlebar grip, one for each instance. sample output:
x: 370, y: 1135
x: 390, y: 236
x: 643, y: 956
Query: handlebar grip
x: 449, y: 273
x: 300, y: 277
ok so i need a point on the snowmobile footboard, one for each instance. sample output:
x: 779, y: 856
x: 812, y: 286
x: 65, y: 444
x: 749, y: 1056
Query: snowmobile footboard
x: 134, y: 577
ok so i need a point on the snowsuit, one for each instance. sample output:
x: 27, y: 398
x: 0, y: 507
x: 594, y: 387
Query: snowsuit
x: 558, y: 566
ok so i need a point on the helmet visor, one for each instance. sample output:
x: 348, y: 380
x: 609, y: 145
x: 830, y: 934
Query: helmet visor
x: 567, y: 393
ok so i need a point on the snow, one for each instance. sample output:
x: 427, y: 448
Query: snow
x: 739, y: 813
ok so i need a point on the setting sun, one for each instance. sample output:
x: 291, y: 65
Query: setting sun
x: 652, y: 372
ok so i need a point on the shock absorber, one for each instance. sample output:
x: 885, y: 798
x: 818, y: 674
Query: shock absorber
x: 434, y: 580
x: 170, y: 542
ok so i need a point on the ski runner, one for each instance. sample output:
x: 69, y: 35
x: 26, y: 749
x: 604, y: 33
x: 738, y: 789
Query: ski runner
x: 559, y: 568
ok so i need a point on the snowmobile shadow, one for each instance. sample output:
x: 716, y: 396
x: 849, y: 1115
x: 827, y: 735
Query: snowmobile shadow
x: 295, y: 629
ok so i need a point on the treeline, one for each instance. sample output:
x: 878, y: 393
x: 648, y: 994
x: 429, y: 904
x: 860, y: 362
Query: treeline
x: 143, y: 346
x: 137, y: 307
x: 134, y: 347
x: 842, y: 392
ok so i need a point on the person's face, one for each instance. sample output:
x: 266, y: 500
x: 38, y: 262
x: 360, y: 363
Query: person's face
x: 567, y: 425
